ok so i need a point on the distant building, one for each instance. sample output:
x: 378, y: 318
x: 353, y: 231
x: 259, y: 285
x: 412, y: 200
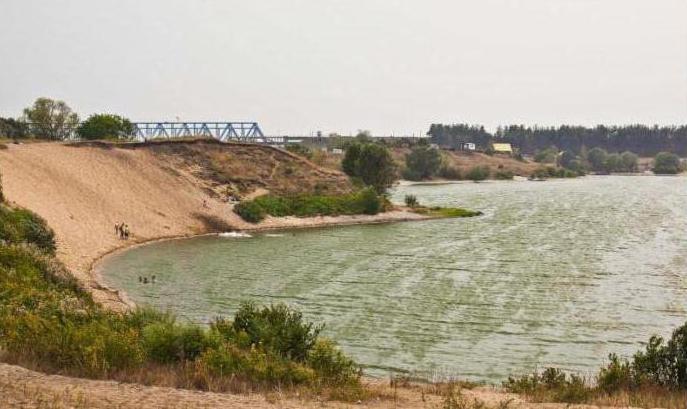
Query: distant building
x: 469, y: 146
x: 502, y: 148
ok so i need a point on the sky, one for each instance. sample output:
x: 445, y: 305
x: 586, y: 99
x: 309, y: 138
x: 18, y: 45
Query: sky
x: 389, y: 66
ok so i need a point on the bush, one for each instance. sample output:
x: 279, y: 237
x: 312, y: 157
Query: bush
x: 450, y: 173
x: 250, y: 211
x: 422, y: 163
x: 365, y: 201
x: 478, y: 173
x: 331, y: 365
x: 546, y: 156
x: 504, y: 175
x: 167, y: 342
x: 411, y: 201
x: 666, y: 163
x: 551, y: 385
x: 23, y: 226
x: 105, y: 126
x: 276, y: 328
x: 371, y: 163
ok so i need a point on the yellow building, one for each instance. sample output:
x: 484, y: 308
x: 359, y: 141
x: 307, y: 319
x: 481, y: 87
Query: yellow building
x: 502, y: 148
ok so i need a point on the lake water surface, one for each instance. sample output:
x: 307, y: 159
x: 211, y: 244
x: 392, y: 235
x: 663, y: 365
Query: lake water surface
x: 556, y: 273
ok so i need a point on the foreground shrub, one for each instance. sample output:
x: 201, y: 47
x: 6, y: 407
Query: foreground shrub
x: 277, y: 328
x: 23, y: 226
x: 551, y: 385
x: 167, y: 342
x: 331, y: 365
x: 366, y: 201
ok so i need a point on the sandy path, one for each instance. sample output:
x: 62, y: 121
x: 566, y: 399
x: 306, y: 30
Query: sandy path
x: 22, y: 388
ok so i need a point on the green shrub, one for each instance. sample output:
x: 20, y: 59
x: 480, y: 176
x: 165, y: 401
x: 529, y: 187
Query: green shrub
x: 331, y: 365
x: 551, y: 385
x: 23, y: 226
x: 277, y: 328
x: 504, y: 175
x: 250, y: 211
x: 105, y: 126
x: 365, y: 201
x: 450, y: 173
x: 371, y: 163
x: 422, y: 163
x: 616, y: 375
x: 411, y: 201
x: 666, y: 163
x: 167, y: 342
x: 478, y: 173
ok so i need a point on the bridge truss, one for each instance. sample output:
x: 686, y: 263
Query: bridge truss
x: 224, y: 131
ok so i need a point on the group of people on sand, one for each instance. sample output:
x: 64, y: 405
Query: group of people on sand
x: 122, y: 230
x: 145, y: 280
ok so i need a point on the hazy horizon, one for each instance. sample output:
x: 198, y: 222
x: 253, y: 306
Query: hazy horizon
x: 393, y: 67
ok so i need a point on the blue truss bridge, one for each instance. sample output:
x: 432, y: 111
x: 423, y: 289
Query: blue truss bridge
x: 223, y: 131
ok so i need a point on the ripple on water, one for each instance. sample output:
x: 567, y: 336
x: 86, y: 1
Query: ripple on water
x: 558, y: 273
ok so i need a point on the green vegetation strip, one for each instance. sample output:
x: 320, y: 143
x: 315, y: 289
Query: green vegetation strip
x: 366, y: 201
x: 446, y: 212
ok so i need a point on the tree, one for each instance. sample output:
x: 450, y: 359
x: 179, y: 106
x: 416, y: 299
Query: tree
x: 51, y: 119
x: 105, y: 126
x: 547, y: 155
x: 597, y: 158
x: 13, y: 128
x: 371, y: 163
x: 566, y: 159
x: 422, y: 163
x: 630, y: 161
x: 613, y: 163
x: 667, y: 163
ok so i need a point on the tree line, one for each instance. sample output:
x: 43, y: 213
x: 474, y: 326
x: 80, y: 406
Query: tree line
x: 640, y: 139
x: 55, y: 120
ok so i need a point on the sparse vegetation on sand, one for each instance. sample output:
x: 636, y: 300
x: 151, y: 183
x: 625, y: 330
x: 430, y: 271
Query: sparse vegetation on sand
x: 654, y: 377
x: 366, y: 201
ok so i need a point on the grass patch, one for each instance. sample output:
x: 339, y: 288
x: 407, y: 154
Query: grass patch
x: 446, y: 212
x: 366, y: 201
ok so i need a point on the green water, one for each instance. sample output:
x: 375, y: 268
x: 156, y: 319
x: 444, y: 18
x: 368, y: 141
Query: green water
x: 555, y: 273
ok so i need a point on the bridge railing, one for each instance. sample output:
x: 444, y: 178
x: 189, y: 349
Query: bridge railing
x: 224, y: 131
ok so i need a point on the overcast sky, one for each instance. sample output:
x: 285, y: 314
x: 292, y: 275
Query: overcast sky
x: 386, y: 65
